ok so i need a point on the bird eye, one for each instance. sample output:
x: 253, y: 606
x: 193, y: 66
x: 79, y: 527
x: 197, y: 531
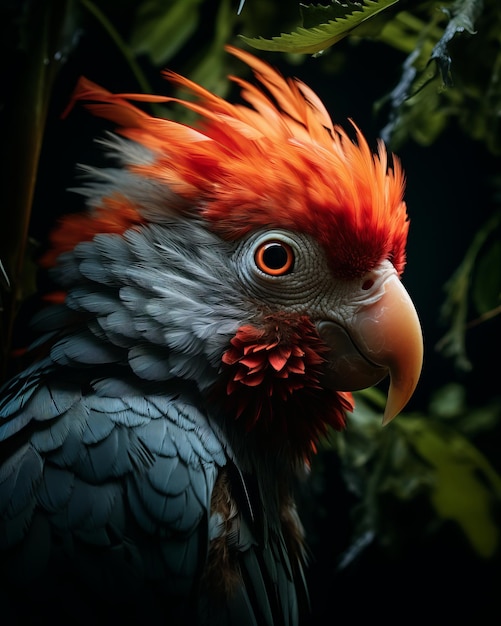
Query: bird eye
x: 274, y: 258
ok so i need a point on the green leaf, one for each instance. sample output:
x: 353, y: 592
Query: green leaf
x: 314, y: 14
x: 211, y: 69
x: 449, y: 401
x: 465, y: 486
x: 419, y: 471
x: 161, y: 29
x: 343, y: 20
x: 455, y: 308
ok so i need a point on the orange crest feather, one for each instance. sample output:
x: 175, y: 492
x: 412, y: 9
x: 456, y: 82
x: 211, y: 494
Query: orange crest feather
x: 279, y: 162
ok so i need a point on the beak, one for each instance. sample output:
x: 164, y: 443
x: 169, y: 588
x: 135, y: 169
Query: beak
x: 383, y: 337
x: 394, y: 340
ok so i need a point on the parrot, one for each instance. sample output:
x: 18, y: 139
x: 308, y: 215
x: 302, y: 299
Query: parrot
x: 228, y: 285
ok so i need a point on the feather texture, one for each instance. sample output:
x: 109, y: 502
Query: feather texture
x: 337, y: 190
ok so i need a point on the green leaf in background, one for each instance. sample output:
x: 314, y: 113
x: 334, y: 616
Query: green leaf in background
x: 448, y: 402
x: 341, y: 20
x: 456, y: 306
x: 421, y: 458
x: 449, y: 405
x: 465, y: 485
x: 163, y: 28
x: 211, y: 69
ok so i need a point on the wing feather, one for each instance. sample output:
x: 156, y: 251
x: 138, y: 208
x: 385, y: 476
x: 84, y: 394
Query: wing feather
x: 20, y: 476
x: 55, y: 488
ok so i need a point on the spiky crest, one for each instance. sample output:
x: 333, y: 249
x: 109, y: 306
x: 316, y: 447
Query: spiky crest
x: 279, y: 162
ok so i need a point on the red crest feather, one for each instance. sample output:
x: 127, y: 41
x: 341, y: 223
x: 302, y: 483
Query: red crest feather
x: 279, y: 162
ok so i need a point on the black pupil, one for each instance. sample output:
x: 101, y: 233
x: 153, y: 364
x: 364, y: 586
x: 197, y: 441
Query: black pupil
x: 275, y: 256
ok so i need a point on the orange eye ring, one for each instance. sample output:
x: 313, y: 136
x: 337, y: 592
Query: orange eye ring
x: 274, y: 258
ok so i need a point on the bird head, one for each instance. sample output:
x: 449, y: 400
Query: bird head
x: 263, y: 249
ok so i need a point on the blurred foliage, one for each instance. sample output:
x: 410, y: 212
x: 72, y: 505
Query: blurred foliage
x: 476, y: 285
x: 428, y: 455
x: 440, y: 40
x: 431, y: 470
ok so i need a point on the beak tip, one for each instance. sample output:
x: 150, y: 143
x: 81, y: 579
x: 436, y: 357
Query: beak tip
x: 400, y: 392
x: 386, y: 420
x: 389, y: 416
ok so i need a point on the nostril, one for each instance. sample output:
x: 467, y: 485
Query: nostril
x: 367, y: 284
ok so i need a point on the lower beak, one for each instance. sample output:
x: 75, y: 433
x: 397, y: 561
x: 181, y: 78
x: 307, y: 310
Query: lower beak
x: 383, y: 338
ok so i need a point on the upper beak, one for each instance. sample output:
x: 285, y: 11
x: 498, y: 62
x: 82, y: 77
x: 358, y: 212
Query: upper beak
x: 383, y: 337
